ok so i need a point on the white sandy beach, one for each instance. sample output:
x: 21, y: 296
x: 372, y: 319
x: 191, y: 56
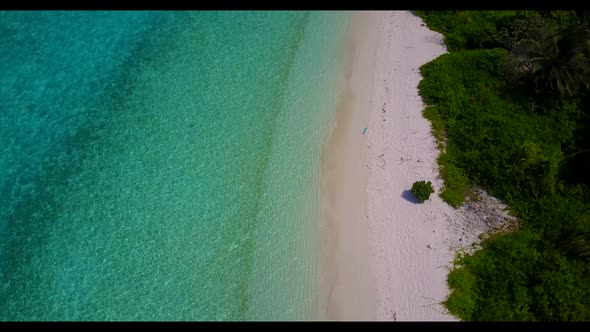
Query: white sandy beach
x: 386, y: 257
x: 410, y: 242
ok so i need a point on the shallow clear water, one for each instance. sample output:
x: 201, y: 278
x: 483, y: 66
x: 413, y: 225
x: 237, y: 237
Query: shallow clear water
x: 163, y: 165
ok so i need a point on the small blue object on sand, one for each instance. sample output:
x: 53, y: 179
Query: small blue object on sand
x: 364, y: 131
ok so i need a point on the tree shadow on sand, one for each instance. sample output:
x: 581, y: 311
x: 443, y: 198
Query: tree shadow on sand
x: 408, y: 196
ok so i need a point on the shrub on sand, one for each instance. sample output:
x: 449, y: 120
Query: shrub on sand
x: 422, y: 190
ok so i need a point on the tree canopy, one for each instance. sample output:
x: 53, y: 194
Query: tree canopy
x: 510, y: 104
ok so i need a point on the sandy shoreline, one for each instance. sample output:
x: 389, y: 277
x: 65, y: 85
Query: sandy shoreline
x: 384, y: 257
x: 348, y: 279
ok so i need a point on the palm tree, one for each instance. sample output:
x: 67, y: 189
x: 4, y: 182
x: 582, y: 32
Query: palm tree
x: 559, y: 64
x: 573, y: 240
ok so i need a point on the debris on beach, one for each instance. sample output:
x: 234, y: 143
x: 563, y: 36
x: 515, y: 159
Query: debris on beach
x: 480, y: 217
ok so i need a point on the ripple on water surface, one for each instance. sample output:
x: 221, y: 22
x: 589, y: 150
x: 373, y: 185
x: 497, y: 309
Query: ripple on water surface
x: 162, y: 165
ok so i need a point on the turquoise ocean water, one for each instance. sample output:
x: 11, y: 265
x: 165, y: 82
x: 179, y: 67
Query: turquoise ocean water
x: 163, y: 165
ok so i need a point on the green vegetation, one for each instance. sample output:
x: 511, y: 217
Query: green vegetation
x: 422, y: 190
x: 508, y: 106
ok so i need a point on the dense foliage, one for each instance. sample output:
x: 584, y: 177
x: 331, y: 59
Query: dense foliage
x: 508, y: 107
x: 422, y: 190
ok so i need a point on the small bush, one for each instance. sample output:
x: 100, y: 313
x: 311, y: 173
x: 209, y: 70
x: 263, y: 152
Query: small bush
x: 422, y: 190
x: 463, y: 301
